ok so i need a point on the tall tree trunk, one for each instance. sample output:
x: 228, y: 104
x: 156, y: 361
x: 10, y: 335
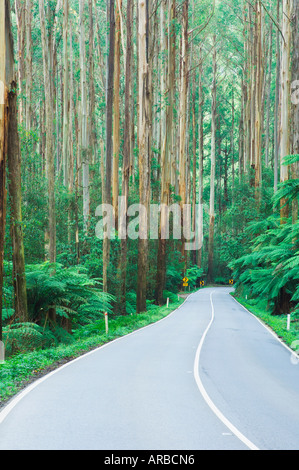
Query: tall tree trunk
x: 65, y: 151
x: 134, y: 99
x: 84, y: 130
x: 9, y: 147
x: 14, y: 169
x: 277, y: 103
x: 143, y: 144
x: 285, y: 100
x: 92, y: 134
x: 126, y: 161
x: 247, y: 87
x: 116, y: 115
x: 258, y: 101
x: 49, y: 131
x: 183, y: 122
x: 72, y: 206
x: 232, y: 145
x: 295, y: 103
x: 165, y: 128
x: 194, y: 172
x: 253, y: 81
x: 3, y: 94
x: 109, y: 97
x: 172, y: 87
x: 100, y: 53
x: 20, y: 18
x: 109, y: 125
x: 242, y: 132
x: 269, y: 81
x: 200, y: 157
x: 213, y: 167
x: 167, y: 136
x: 28, y: 18
x: 71, y: 116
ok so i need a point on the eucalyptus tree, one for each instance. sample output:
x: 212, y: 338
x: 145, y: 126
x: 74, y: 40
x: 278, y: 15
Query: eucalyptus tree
x: 10, y: 159
x: 3, y: 94
x: 107, y: 184
x: 143, y: 147
x: 213, y: 163
x: 126, y: 159
x: 47, y: 51
x: 295, y: 98
x: 285, y: 100
x: 184, y: 85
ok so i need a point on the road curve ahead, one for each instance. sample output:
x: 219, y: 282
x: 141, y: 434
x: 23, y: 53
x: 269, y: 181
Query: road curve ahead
x: 208, y: 377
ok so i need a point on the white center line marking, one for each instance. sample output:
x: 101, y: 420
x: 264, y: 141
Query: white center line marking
x: 204, y: 393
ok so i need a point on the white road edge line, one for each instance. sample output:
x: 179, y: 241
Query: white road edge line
x: 14, y: 401
x: 204, y: 393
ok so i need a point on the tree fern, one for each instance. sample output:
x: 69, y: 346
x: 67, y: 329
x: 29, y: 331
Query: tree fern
x: 70, y: 291
x: 271, y: 268
x: 23, y: 337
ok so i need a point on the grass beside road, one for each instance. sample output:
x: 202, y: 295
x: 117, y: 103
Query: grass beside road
x: 277, y: 323
x: 20, y: 370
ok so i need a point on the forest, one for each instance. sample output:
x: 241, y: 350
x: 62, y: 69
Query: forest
x: 187, y: 106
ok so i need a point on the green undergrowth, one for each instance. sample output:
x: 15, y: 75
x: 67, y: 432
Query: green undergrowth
x: 20, y: 370
x: 277, y: 323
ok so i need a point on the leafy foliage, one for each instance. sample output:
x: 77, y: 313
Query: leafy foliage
x: 194, y: 274
x: 271, y: 269
x: 70, y: 291
x: 77, y: 299
x: 22, y: 337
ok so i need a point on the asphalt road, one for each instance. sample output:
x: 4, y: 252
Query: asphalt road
x: 208, y: 377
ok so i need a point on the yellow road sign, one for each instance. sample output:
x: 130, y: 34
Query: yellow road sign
x: 231, y: 281
x: 185, y: 280
x: 202, y: 283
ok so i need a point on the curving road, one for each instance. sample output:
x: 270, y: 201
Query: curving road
x: 208, y: 377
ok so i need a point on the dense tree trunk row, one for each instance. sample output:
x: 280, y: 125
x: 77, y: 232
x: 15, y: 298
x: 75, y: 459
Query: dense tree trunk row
x: 144, y: 96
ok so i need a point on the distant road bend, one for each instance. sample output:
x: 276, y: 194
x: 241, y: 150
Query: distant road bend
x: 208, y: 377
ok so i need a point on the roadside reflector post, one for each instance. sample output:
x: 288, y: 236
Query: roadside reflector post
x: 106, y: 323
x: 2, y: 353
x: 288, y: 322
x: 167, y: 302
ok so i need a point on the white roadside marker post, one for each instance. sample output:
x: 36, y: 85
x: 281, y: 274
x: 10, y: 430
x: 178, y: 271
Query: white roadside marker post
x: 106, y: 323
x: 167, y: 302
x: 2, y: 353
